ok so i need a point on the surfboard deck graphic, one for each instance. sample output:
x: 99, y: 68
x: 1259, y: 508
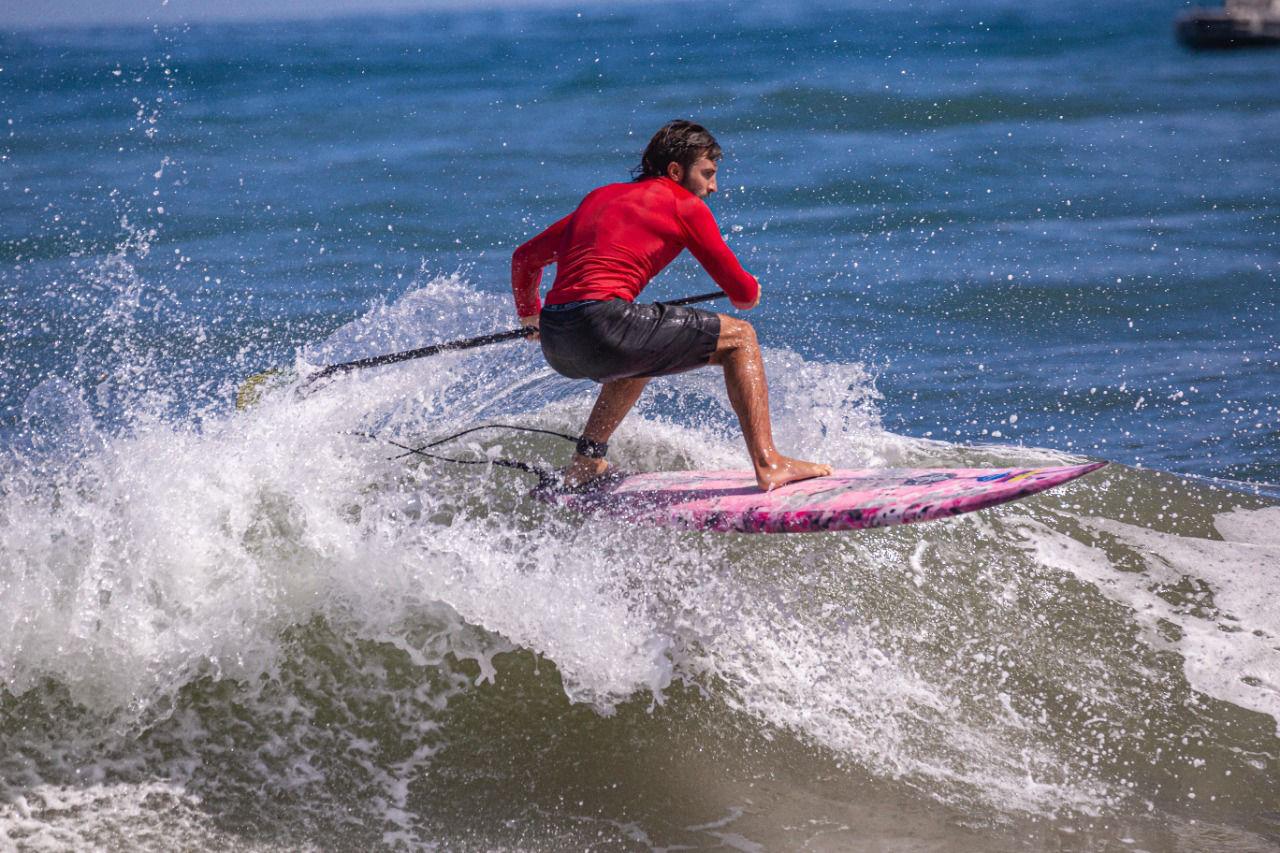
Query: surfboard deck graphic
x: 729, y: 501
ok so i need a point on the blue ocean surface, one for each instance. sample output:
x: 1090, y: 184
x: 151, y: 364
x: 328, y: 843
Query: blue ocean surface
x: 1052, y: 215
x: 988, y: 233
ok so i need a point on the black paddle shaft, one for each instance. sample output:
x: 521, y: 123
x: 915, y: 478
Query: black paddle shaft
x: 465, y: 343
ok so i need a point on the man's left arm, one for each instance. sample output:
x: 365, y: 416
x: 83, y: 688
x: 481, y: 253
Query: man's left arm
x: 526, y: 269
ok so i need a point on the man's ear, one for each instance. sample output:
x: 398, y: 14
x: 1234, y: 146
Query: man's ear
x: 675, y: 172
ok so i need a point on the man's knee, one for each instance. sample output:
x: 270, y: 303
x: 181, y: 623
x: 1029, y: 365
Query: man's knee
x: 735, y: 334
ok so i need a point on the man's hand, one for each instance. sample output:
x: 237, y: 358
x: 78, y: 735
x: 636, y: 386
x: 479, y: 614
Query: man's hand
x: 531, y: 322
x: 747, y: 306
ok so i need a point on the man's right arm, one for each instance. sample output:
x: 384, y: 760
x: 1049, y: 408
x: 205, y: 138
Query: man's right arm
x: 526, y: 268
x: 706, y: 244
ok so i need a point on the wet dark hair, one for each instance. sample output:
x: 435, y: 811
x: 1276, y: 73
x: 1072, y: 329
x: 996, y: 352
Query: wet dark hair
x: 678, y: 141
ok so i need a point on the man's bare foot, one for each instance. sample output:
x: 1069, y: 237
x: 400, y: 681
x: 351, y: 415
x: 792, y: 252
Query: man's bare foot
x: 786, y: 470
x: 583, y: 470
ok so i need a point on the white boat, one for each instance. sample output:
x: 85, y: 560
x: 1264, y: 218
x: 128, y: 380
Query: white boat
x: 1240, y: 23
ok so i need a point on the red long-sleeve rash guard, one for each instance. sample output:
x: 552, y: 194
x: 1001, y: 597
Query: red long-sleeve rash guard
x: 620, y: 237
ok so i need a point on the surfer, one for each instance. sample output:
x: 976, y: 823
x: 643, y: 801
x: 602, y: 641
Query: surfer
x: 606, y: 251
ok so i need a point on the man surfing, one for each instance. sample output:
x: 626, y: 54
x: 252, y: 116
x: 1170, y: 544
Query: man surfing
x: 606, y: 251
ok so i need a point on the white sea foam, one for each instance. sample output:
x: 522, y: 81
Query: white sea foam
x: 1227, y: 625
x: 142, y: 816
x: 141, y: 559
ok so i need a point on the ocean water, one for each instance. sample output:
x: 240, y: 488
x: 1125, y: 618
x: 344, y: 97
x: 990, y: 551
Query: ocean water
x: 989, y: 233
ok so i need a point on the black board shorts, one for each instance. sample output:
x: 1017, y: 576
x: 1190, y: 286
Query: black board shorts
x: 616, y: 339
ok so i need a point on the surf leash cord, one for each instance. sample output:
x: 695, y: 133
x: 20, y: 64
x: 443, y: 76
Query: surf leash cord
x: 546, y: 476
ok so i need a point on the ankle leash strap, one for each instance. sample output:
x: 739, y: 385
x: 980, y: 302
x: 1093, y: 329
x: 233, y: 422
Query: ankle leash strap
x: 592, y: 449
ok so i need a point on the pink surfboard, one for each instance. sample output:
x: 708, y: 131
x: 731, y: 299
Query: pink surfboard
x: 729, y: 501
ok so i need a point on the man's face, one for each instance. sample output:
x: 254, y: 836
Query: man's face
x: 699, y: 179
